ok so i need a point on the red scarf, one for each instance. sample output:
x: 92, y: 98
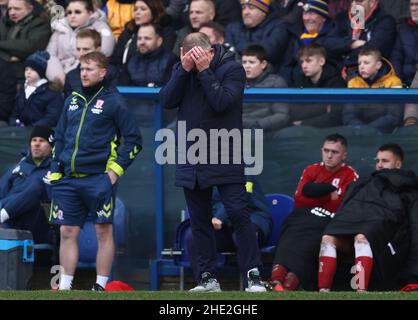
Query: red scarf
x: 357, y: 31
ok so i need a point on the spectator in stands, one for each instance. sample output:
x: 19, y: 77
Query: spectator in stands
x: 266, y: 116
x: 22, y: 33
x: 411, y: 109
x: 319, y: 193
x: 214, y: 31
x: 3, y: 8
x: 80, y: 14
x: 374, y: 216
x: 145, y: 12
x: 260, y: 216
x: 404, y: 57
x: 87, y: 40
x: 200, y: 11
x: 22, y: 190
x: 7, y: 91
x: 379, y: 31
x: 398, y: 9
x: 85, y: 167
x: 208, y: 78
x: 151, y: 65
x: 119, y: 13
x: 317, y: 73
x: 289, y: 10
x: 374, y: 72
x: 259, y: 26
x: 37, y: 102
x: 314, y: 27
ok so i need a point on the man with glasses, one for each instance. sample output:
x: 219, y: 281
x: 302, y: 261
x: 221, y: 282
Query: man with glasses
x: 319, y: 194
x: 87, y: 162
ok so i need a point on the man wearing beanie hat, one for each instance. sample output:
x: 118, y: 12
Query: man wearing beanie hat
x: 314, y: 27
x: 260, y: 26
x: 22, y: 190
x: 36, y: 103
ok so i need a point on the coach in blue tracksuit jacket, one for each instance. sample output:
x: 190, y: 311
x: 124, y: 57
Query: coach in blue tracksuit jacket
x: 207, y: 86
x: 22, y: 189
x: 86, y: 164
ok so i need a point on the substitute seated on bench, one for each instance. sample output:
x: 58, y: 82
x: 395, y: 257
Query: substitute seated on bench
x: 22, y: 190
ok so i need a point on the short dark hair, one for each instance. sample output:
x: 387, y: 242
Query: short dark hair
x: 371, y: 52
x: 394, y: 148
x: 312, y: 49
x: 157, y: 29
x: 92, y: 34
x: 88, y: 4
x: 217, y: 28
x: 97, y: 57
x: 257, y: 51
x: 336, y: 137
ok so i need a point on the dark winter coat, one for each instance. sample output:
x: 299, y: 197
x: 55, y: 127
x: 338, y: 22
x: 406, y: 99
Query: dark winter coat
x: 211, y: 99
x: 405, y: 53
x: 319, y: 115
x: 292, y: 13
x: 43, y: 108
x: 21, y: 192
x: 379, y: 32
x: 271, y: 34
x: 152, y: 69
x: 126, y: 44
x: 379, y: 207
x: 290, y: 69
x: 266, y: 116
x: 7, y: 89
x: 22, y: 39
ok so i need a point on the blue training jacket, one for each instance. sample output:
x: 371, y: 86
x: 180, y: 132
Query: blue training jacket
x: 87, y: 138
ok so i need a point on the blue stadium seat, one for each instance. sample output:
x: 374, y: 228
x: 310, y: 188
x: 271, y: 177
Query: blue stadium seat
x: 281, y: 205
x: 87, y: 241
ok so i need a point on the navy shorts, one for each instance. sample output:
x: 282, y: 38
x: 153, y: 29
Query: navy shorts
x: 76, y: 200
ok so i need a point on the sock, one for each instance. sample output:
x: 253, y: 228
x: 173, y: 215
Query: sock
x: 327, y: 265
x: 4, y: 216
x: 66, y: 282
x: 278, y: 273
x: 363, y: 263
x: 101, y: 280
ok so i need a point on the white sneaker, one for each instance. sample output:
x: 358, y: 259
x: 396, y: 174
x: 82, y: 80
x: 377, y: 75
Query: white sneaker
x: 324, y: 290
x: 208, y: 283
x: 254, y: 281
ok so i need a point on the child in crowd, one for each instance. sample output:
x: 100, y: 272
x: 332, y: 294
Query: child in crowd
x: 37, y: 103
x: 374, y: 71
x: 317, y: 73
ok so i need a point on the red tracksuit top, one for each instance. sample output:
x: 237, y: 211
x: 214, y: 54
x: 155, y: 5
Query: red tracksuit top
x: 318, y: 173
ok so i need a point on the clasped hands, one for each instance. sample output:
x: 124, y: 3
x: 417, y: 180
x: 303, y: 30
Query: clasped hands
x: 195, y: 58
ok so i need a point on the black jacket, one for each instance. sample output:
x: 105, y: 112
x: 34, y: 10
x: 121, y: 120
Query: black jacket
x: 379, y: 207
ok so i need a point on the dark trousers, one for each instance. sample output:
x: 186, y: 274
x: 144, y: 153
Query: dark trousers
x: 234, y: 198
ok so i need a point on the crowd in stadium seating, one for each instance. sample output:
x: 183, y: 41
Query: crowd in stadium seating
x: 142, y: 40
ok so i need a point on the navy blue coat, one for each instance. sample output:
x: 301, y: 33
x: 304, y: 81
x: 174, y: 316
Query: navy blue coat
x: 148, y: 70
x: 290, y: 69
x: 21, y: 192
x: 271, y: 34
x: 379, y: 32
x: 405, y: 54
x: 211, y: 99
x: 43, y: 108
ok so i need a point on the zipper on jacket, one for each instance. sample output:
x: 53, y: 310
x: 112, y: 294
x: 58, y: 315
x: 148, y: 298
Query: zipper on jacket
x: 77, y: 137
